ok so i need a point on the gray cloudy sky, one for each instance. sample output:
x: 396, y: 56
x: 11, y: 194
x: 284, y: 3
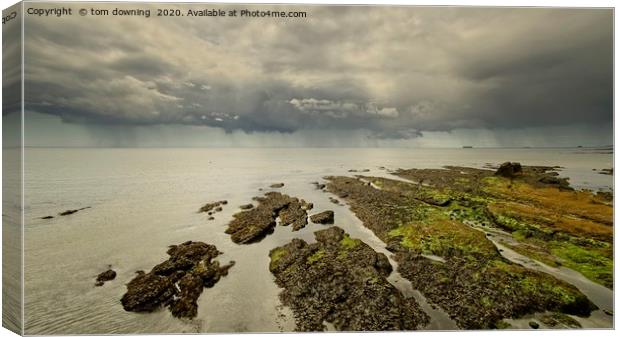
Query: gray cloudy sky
x: 376, y: 76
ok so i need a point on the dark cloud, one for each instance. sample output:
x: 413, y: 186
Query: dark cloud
x: 395, y: 72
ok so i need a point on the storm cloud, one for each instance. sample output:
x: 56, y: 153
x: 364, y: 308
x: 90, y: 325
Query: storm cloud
x: 394, y: 72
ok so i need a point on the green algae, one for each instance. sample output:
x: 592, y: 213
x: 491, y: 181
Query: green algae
x: 275, y: 255
x: 594, y: 264
x: 349, y: 243
x: 316, y: 257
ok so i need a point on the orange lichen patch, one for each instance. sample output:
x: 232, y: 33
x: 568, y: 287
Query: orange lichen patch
x: 583, y: 204
x: 553, y: 220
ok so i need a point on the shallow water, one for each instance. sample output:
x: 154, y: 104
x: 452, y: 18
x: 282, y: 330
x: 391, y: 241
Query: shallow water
x: 146, y: 199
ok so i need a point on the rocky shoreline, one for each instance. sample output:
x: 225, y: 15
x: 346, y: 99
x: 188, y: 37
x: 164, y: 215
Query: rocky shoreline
x: 434, y: 214
x: 435, y: 223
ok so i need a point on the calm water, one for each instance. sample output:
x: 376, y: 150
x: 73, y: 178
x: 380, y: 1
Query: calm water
x: 146, y: 199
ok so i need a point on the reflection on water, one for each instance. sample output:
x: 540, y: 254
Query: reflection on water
x: 146, y: 199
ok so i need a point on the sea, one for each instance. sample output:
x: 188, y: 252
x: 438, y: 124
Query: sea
x: 141, y: 200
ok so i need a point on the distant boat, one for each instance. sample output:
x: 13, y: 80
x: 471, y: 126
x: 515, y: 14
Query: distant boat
x: 468, y: 147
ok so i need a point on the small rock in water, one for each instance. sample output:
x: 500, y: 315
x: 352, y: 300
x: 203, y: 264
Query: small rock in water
x: 608, y: 312
x: 71, y: 211
x: 277, y: 185
x: 247, y: 206
x: 47, y: 217
x: 107, y: 275
x: 334, y: 201
x: 533, y: 325
x: 211, y: 218
x: 207, y: 208
x: 326, y: 217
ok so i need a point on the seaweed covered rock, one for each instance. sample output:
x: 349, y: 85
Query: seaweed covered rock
x: 105, y: 276
x: 472, y: 282
x: 325, y: 217
x: 480, y: 294
x: 212, y: 206
x: 557, y: 320
x: 342, y: 281
x: 254, y: 224
x: 177, y: 282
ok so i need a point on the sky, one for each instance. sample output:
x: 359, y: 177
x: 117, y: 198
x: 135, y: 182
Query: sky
x: 342, y: 76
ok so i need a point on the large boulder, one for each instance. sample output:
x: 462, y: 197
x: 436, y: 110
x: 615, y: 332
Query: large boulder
x: 509, y: 170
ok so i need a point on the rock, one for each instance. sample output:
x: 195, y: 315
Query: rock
x: 533, y: 325
x: 608, y: 312
x: 47, y: 217
x: 559, y: 320
x: 177, y: 282
x: 326, y: 217
x: 509, y: 170
x: 366, y: 170
x: 212, y: 206
x: 246, y: 206
x: 342, y: 281
x: 147, y: 292
x: 71, y: 211
x: 277, y: 185
x: 105, y: 276
x: 549, y: 180
x: 332, y: 235
x: 352, y: 170
x: 210, y: 218
x: 308, y: 206
x: 320, y: 186
x: 254, y: 224
x: 294, y: 214
x: 334, y: 201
